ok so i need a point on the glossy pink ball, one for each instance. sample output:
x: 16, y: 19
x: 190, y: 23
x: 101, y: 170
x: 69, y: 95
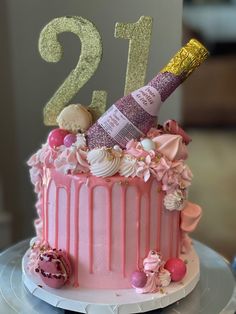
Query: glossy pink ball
x: 138, y: 279
x: 69, y: 139
x: 177, y: 268
x: 56, y: 137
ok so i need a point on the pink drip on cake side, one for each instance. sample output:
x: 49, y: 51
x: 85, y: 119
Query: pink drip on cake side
x: 159, y: 216
x: 109, y: 227
x: 143, y: 190
x: 76, y: 235
x: 90, y: 206
x: 56, y: 218
x: 138, y: 215
x: 123, y: 229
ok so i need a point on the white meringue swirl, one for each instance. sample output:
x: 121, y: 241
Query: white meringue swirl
x: 80, y: 140
x: 104, y: 162
x: 128, y: 166
x: 164, y: 277
x: 175, y: 200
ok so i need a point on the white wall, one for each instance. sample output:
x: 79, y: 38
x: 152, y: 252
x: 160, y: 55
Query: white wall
x: 32, y: 81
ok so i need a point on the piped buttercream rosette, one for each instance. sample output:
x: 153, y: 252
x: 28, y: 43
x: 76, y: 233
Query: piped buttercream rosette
x: 104, y: 162
x: 128, y: 166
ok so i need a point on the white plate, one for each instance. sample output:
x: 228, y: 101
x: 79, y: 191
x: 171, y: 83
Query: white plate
x: 213, y: 294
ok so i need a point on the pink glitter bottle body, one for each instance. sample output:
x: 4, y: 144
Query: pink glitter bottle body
x: 132, y: 116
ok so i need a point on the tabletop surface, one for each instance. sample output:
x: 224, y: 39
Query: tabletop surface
x: 215, y: 292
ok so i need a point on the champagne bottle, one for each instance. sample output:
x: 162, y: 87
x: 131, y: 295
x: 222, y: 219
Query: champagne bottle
x: 132, y: 116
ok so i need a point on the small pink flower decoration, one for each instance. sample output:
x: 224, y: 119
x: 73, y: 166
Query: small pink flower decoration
x: 135, y: 149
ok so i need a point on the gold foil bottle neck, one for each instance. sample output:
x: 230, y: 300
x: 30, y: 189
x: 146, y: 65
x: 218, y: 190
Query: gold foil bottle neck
x: 187, y: 59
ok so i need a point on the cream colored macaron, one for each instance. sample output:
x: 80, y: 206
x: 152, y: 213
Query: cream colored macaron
x: 75, y: 118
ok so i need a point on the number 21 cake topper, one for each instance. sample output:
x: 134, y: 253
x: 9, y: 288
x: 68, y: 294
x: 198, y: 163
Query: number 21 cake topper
x: 139, y: 36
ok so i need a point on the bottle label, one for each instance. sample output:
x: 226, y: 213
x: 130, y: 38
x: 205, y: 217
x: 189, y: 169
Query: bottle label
x: 118, y: 126
x: 149, y: 99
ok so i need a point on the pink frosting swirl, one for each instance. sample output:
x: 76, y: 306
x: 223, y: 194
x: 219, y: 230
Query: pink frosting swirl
x: 72, y: 160
x: 152, y: 262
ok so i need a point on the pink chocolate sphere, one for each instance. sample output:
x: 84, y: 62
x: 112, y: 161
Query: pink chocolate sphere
x: 177, y: 268
x: 56, y: 137
x: 69, y: 139
x: 138, y: 279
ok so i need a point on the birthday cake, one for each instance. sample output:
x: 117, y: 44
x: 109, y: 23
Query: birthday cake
x: 113, y: 209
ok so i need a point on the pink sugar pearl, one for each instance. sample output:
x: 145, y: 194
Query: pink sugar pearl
x: 138, y: 279
x: 177, y: 268
x: 69, y: 139
x: 56, y: 137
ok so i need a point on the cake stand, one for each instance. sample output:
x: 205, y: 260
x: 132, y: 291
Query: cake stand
x: 215, y: 292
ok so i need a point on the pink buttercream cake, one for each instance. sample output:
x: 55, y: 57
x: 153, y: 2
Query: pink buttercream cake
x: 107, y: 208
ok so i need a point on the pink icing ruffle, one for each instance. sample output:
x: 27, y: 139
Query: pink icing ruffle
x: 190, y: 216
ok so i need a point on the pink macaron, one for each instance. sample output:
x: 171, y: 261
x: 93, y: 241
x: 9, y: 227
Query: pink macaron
x: 54, y: 268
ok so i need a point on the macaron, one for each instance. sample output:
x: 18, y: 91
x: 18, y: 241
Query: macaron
x: 54, y: 268
x: 75, y: 118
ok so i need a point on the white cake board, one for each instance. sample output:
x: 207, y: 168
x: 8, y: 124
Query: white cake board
x: 121, y: 301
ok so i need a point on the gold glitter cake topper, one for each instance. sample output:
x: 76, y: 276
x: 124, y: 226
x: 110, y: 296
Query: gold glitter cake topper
x: 139, y: 36
x: 188, y: 57
x: 90, y: 57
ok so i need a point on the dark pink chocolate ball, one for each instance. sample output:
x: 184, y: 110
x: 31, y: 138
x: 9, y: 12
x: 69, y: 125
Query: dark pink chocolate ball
x: 69, y: 139
x: 138, y: 279
x: 56, y: 137
x: 177, y: 268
